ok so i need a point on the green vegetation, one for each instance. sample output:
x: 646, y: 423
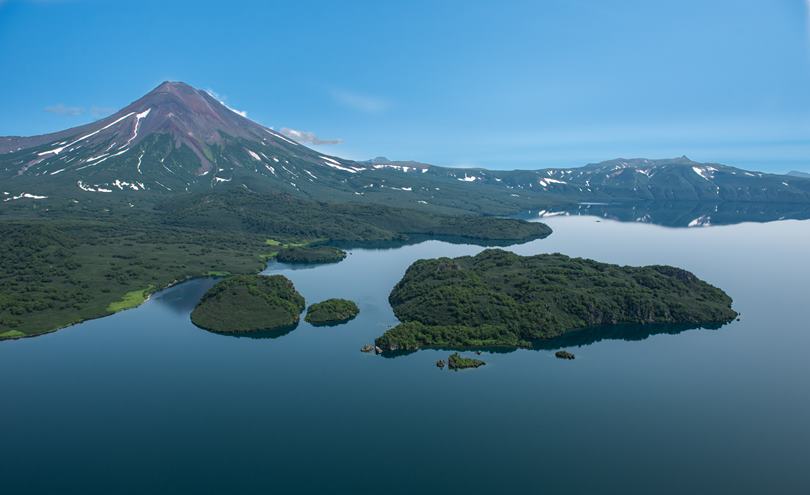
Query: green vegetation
x: 292, y: 222
x: 62, y: 271
x: 458, y: 362
x: 331, y: 312
x: 316, y: 254
x: 65, y: 262
x: 564, y: 355
x: 498, y: 298
x: 131, y: 299
x: 249, y: 303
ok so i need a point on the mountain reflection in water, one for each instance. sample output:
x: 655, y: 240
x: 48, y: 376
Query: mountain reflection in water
x: 680, y: 214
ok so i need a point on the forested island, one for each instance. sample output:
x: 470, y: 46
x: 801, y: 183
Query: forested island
x: 310, y: 254
x: 331, y: 312
x: 249, y: 303
x: 458, y: 362
x: 498, y: 298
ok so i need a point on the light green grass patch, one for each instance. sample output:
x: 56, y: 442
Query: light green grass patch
x: 11, y: 334
x: 275, y: 243
x: 130, y: 300
x: 215, y: 273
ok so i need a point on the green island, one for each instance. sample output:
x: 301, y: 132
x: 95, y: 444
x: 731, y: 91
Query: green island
x: 498, y: 298
x: 331, y: 312
x: 249, y: 303
x: 310, y: 254
x: 458, y: 362
x: 65, y: 261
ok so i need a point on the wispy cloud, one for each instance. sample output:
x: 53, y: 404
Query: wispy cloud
x: 221, y: 99
x: 96, y: 111
x: 62, y: 109
x: 360, y: 102
x: 307, y: 137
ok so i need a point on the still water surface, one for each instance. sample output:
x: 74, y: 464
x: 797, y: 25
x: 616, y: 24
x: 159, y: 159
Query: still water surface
x: 144, y: 402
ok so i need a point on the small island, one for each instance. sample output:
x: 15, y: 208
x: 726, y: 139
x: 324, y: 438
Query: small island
x: 564, y: 355
x: 249, y: 303
x: 499, y: 298
x: 310, y: 254
x: 458, y: 362
x: 331, y: 312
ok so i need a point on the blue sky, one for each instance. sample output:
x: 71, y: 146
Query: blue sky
x: 470, y: 83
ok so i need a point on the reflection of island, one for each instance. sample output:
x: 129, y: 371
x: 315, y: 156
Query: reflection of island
x: 412, y: 239
x: 500, y: 299
x: 592, y: 335
x: 182, y: 297
x: 259, y: 334
x: 681, y: 214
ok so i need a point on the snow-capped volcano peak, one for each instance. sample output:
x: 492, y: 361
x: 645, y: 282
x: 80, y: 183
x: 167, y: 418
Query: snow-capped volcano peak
x: 175, y: 137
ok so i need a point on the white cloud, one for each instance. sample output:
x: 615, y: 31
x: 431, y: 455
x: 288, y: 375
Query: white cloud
x: 97, y: 111
x: 360, y: 102
x: 221, y: 99
x: 62, y: 109
x: 307, y: 137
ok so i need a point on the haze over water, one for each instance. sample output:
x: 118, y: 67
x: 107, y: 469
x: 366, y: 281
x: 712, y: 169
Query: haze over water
x: 144, y: 402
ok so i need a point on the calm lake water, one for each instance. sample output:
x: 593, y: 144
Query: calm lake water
x: 144, y: 402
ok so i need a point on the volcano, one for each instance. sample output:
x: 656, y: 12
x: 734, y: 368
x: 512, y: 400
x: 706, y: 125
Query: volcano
x: 175, y: 138
x: 179, y: 139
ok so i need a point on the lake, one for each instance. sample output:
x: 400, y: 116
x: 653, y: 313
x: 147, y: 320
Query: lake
x: 145, y: 402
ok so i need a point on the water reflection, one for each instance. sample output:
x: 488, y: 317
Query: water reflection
x: 588, y: 336
x: 412, y: 239
x: 680, y: 214
x: 182, y: 298
x: 260, y: 334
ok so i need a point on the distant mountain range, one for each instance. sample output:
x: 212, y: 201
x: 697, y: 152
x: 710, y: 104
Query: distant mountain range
x: 180, y: 139
x: 796, y: 173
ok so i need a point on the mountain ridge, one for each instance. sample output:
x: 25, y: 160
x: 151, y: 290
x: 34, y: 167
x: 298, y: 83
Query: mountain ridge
x: 178, y: 139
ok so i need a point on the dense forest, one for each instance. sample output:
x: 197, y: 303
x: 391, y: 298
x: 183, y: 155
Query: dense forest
x: 310, y: 254
x: 64, y: 262
x: 249, y: 303
x: 331, y: 312
x: 498, y: 298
